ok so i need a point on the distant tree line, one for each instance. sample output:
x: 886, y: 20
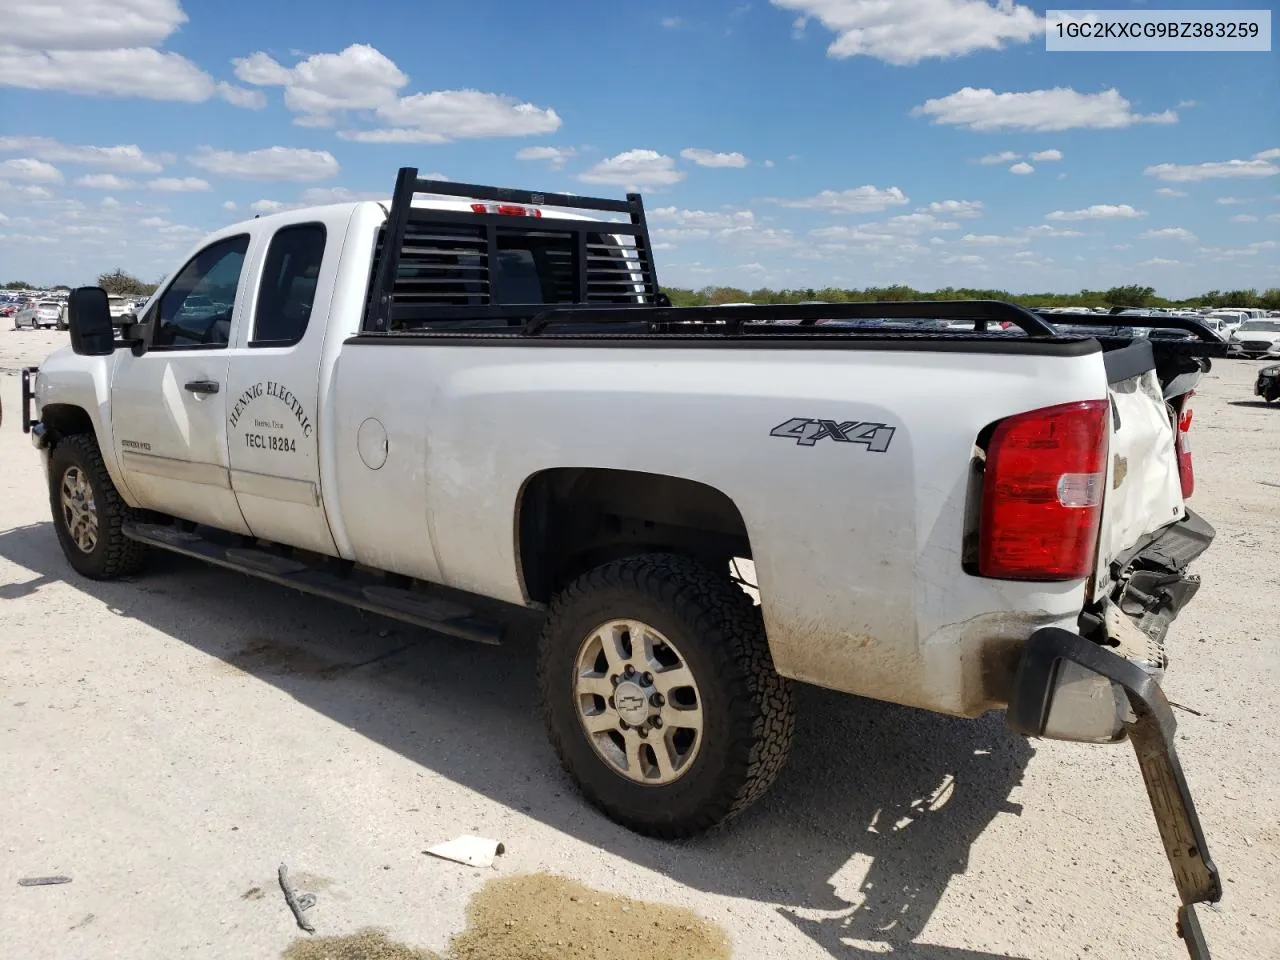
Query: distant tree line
x: 117, y: 281
x: 1129, y: 296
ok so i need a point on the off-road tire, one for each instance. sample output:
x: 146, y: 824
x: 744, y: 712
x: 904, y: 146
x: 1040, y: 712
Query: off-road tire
x: 749, y: 717
x: 114, y: 555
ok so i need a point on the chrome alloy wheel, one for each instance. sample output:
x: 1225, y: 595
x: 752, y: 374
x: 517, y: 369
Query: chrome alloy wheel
x: 638, y: 702
x: 78, y: 510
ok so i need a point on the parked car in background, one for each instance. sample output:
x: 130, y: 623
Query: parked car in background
x: 1255, y: 338
x: 38, y: 313
x: 1230, y: 319
x: 1268, y: 384
x: 119, y: 306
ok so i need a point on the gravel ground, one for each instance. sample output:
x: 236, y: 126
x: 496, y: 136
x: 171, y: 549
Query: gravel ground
x: 169, y: 742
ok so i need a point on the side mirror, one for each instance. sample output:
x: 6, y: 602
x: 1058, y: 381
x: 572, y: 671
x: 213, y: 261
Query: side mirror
x: 89, y: 320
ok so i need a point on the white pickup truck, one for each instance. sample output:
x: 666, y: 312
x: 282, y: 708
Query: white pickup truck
x: 473, y: 399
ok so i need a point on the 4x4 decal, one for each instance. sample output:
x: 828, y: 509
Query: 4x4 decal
x: 807, y: 431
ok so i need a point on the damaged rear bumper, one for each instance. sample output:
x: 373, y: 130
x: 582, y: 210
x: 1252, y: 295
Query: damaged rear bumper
x: 1105, y: 686
x: 1150, y: 727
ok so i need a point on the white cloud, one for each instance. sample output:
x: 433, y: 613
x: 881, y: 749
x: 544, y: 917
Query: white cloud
x: 708, y: 158
x: 179, y: 184
x: 1190, y: 172
x: 261, y: 70
x: 464, y: 114
x: 1228, y: 201
x: 316, y: 196
x: 991, y: 159
x: 769, y: 164
x: 1045, y: 230
x: 962, y: 209
x: 1170, y: 192
x: 1272, y: 154
x: 914, y: 223
x: 1168, y: 233
x: 271, y: 163
x: 1186, y: 104
x: 362, y: 78
x: 864, y: 199
x: 105, y: 181
x: 111, y: 203
x: 1243, y: 218
x: 1044, y: 155
x: 759, y: 236
x: 908, y: 31
x: 138, y: 71
x: 1061, y: 108
x: 240, y: 97
x: 1022, y: 169
x: 228, y: 205
x: 358, y: 78
x: 1160, y: 262
x: 967, y: 258
x: 682, y: 233
x: 268, y: 206
x: 125, y: 158
x: 705, y: 219
x: 556, y: 157
x: 90, y: 24
x: 992, y: 240
x: 671, y: 23
x: 634, y: 169
x: 153, y: 222
x: 1099, y: 211
x: 30, y: 170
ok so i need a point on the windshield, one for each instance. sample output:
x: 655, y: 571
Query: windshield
x: 50, y: 305
x: 1270, y: 326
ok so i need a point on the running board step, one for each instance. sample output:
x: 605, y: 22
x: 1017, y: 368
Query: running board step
x: 443, y: 616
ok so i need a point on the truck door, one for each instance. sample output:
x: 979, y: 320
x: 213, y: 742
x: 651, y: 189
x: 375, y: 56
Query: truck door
x: 168, y: 406
x: 272, y: 403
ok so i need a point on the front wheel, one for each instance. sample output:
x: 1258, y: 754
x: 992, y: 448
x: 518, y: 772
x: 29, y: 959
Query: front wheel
x: 88, y: 512
x: 660, y: 695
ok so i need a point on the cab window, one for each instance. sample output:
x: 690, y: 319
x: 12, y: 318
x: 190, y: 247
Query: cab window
x: 288, y: 288
x: 195, y: 312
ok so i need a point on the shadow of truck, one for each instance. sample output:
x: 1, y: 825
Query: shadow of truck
x: 901, y: 792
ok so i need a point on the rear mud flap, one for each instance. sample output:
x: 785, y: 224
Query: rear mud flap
x: 1150, y: 726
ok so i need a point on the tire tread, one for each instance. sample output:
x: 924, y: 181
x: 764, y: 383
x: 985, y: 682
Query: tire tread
x: 760, y: 700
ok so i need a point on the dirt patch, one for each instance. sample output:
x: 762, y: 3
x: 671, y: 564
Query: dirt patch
x: 527, y: 917
x: 364, y: 945
x: 539, y: 916
x: 265, y: 657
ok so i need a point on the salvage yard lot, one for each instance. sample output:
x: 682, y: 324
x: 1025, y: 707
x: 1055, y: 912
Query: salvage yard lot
x: 167, y: 743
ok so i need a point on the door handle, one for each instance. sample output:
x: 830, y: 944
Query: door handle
x: 202, y: 386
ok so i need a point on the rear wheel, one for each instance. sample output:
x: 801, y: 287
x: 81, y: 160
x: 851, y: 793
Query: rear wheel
x: 660, y: 695
x: 88, y: 512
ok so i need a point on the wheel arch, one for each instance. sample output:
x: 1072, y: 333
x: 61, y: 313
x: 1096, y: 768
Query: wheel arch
x: 66, y: 419
x: 570, y: 519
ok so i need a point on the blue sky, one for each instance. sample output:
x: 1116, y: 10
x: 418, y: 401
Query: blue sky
x: 778, y: 142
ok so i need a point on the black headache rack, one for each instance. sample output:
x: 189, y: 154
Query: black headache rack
x: 504, y: 260
x: 1169, y: 336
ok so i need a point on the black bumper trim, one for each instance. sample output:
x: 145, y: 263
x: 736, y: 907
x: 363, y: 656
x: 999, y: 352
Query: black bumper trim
x: 1152, y: 734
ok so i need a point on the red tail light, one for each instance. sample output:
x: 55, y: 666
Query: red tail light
x: 1042, y: 493
x: 506, y: 209
x: 1182, y: 444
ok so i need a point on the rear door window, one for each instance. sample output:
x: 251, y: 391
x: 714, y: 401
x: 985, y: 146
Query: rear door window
x: 287, y: 291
